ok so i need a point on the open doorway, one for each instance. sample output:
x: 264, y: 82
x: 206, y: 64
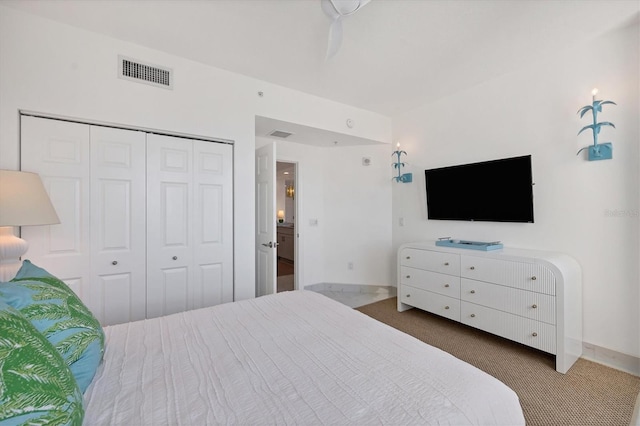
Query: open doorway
x: 286, y: 227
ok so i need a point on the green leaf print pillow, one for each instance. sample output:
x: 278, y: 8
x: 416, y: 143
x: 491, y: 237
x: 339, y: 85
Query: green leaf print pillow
x: 36, y: 386
x: 56, y: 311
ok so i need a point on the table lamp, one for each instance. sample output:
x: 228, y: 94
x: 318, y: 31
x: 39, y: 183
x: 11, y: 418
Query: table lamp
x: 23, y: 202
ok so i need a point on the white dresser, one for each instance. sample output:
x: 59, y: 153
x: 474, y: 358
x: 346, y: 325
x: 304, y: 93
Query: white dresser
x: 529, y: 296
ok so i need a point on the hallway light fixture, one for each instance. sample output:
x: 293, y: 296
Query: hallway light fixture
x: 404, y: 178
x: 290, y: 191
x: 23, y: 201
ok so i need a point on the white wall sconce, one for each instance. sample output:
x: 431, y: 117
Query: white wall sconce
x: 597, y: 151
x: 406, y: 177
x: 23, y: 202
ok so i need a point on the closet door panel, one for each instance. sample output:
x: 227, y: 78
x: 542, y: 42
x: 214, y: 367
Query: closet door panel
x: 146, y: 220
x: 59, y: 152
x: 213, y: 224
x: 169, y: 224
x: 175, y: 293
x: 118, y: 230
x: 210, y: 285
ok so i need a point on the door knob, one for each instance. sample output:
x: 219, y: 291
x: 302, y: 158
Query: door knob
x: 271, y: 244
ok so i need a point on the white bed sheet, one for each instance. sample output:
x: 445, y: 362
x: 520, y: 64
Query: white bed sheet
x: 292, y: 358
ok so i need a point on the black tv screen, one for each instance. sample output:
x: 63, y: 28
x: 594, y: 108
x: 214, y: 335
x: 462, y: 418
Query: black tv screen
x: 495, y: 191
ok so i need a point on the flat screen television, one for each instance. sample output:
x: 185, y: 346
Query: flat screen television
x: 495, y: 191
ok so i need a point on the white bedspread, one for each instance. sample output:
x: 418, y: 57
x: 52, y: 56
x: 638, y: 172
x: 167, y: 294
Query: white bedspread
x: 291, y: 358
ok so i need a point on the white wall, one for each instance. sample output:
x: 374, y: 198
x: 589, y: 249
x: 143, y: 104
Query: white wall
x: 533, y: 112
x: 357, y: 228
x: 350, y: 203
x: 53, y: 68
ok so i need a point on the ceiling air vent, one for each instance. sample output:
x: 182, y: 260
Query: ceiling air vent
x: 280, y: 134
x: 130, y: 69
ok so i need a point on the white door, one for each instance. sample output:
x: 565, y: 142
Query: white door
x: 133, y: 244
x: 212, y: 224
x: 96, y: 179
x: 59, y: 152
x: 118, y: 215
x: 189, y: 224
x: 169, y: 230
x: 266, y: 242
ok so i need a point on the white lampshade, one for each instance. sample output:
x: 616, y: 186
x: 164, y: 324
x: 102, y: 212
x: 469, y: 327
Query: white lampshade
x: 24, y: 201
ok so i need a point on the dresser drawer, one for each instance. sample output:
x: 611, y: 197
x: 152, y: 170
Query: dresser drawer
x: 444, y: 284
x: 529, y: 332
x: 523, y: 275
x: 445, y: 263
x: 432, y: 302
x: 536, y: 306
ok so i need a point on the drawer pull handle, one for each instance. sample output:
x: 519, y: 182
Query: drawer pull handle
x: 446, y: 307
x: 175, y: 257
x: 473, y: 315
x: 534, y: 334
x: 408, y: 276
x: 534, y: 278
x: 472, y: 268
x: 472, y: 291
x: 408, y: 295
x: 114, y: 263
x: 446, y: 263
x: 534, y: 306
x: 408, y: 257
x: 446, y: 285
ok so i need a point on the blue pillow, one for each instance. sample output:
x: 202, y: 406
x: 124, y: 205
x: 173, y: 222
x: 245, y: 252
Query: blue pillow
x: 37, y: 387
x: 55, y: 310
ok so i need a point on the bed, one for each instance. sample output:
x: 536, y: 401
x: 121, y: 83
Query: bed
x: 292, y: 358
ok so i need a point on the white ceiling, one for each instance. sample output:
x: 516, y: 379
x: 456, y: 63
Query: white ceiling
x: 396, y: 54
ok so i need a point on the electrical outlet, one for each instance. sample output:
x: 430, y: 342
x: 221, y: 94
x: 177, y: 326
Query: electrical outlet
x: 350, y: 266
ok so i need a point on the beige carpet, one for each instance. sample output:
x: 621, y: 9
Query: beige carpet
x: 589, y: 394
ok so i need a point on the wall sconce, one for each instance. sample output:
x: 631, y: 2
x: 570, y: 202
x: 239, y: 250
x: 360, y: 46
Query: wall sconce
x: 404, y: 178
x: 280, y: 216
x: 290, y: 191
x: 597, y: 151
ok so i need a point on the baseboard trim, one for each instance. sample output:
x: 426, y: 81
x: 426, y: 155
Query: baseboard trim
x: 623, y: 362
x: 353, y: 288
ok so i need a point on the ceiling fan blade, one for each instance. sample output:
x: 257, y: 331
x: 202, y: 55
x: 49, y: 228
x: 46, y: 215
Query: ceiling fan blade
x: 348, y: 7
x: 329, y: 9
x: 336, y: 10
x: 335, y: 37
